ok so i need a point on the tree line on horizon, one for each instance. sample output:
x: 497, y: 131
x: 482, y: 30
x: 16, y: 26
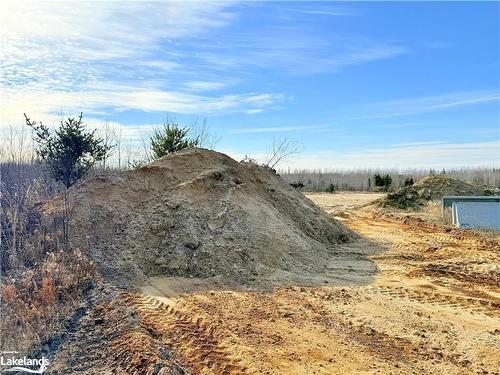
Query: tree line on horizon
x: 383, y: 179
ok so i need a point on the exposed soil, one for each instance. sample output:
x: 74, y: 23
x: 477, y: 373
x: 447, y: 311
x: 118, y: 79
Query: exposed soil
x: 335, y: 203
x: 432, y: 307
x: 219, y: 267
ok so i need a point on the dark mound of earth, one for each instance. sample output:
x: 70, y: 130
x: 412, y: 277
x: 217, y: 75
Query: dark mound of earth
x: 429, y: 188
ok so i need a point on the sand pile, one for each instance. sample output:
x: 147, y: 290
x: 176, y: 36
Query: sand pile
x: 199, y: 213
x: 429, y: 188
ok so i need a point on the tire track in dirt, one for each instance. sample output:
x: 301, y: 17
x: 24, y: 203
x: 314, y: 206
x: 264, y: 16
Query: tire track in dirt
x: 472, y: 305
x: 409, y: 356
x: 462, y: 273
x: 426, y: 252
x: 430, y: 309
x: 202, y: 345
x: 450, y: 253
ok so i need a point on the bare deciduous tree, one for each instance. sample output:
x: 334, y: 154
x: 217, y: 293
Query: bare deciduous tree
x: 206, y: 138
x: 282, y: 149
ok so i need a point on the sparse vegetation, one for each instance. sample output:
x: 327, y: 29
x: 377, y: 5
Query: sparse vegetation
x: 22, y: 188
x: 299, y: 185
x: 69, y: 153
x: 382, y: 182
x: 282, y: 149
x: 409, y: 181
x: 40, y: 285
x: 37, y: 301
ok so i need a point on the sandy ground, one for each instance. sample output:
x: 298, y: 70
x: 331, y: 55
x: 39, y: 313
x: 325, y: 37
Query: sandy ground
x: 345, y: 201
x: 432, y: 307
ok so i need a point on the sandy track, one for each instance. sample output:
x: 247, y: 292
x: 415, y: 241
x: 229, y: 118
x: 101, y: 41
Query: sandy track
x: 433, y: 308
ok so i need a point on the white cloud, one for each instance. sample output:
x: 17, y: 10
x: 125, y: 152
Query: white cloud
x: 64, y: 44
x: 413, y: 106
x: 100, y: 97
x: 108, y: 28
x: 155, y: 56
x: 99, y: 57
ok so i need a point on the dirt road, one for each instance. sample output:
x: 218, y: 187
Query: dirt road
x: 433, y: 307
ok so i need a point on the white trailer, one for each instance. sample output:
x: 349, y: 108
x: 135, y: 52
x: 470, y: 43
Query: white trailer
x: 476, y: 214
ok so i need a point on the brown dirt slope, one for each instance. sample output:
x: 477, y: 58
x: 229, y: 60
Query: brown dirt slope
x: 199, y: 213
x: 429, y: 188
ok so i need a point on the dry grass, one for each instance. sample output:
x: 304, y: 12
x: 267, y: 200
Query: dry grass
x: 36, y: 302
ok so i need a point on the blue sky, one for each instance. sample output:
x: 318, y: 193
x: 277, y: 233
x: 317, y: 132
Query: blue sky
x: 357, y: 84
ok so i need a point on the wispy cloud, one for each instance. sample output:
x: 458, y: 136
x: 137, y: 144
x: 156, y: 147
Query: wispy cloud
x: 326, y: 9
x: 294, y: 50
x: 107, y: 56
x: 414, y: 106
x: 205, y: 85
x: 326, y: 12
x: 418, y: 155
x: 115, y: 97
x: 404, y: 144
x: 103, y: 57
x: 110, y: 29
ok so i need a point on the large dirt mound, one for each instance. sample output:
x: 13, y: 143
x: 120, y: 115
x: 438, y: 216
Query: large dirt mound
x: 199, y: 213
x: 429, y: 188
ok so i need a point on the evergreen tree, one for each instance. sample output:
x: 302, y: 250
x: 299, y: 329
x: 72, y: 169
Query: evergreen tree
x: 409, y: 182
x: 69, y: 151
x: 331, y: 188
x: 170, y: 139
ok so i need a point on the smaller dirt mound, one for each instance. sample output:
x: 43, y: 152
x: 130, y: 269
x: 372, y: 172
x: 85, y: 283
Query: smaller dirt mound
x: 441, y: 185
x: 429, y: 188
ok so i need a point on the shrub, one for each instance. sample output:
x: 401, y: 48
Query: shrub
x: 170, y: 139
x: 331, y: 188
x: 382, y: 182
x: 297, y: 185
x: 409, y: 182
x: 22, y: 189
